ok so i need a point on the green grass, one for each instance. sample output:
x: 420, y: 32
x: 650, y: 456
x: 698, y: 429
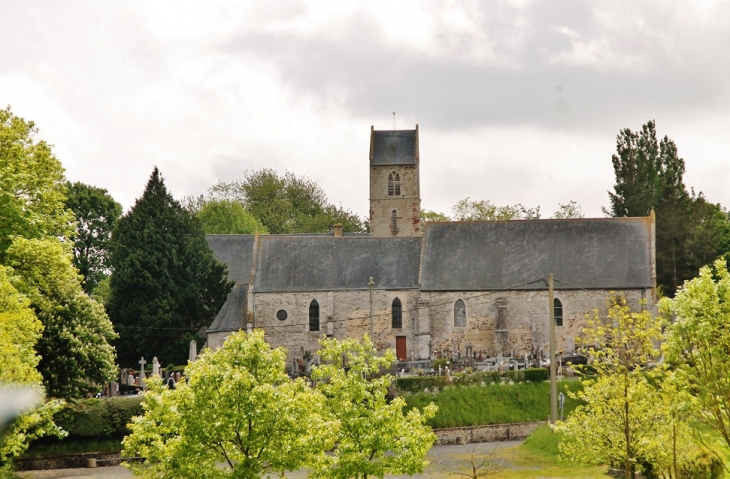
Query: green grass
x: 495, y: 404
x: 59, y: 447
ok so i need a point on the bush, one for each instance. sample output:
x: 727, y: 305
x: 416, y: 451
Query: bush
x: 99, y: 418
x: 536, y: 375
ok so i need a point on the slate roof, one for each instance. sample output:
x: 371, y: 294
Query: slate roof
x: 310, y: 263
x: 232, y: 315
x: 604, y: 253
x: 398, y: 147
x: 236, y: 251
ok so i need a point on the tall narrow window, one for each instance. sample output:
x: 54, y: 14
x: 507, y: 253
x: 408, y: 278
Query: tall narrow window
x: 391, y: 185
x: 397, y: 314
x: 394, y: 222
x: 314, y: 315
x: 397, y: 184
x: 459, y: 314
x: 558, y: 312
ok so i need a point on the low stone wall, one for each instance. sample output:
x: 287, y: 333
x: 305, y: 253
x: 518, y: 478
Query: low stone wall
x: 70, y: 461
x: 491, y: 433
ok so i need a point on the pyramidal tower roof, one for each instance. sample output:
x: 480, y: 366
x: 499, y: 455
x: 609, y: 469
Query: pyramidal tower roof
x: 393, y: 147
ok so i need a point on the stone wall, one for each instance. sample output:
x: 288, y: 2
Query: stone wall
x: 407, y: 205
x: 491, y: 433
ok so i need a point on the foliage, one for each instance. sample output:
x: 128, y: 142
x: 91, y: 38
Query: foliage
x: 32, y: 189
x: 166, y: 284
x: 46, y: 447
x: 99, y: 418
x: 698, y: 342
x: 96, y: 214
x: 238, y: 408
x: 228, y: 217
x: 102, y: 291
x: 283, y: 204
x: 429, y: 216
x: 374, y: 437
x: 474, y: 210
x: 496, y: 404
x: 537, y: 374
x: 569, y: 210
x: 630, y: 416
x: 690, y: 232
x: 76, y: 357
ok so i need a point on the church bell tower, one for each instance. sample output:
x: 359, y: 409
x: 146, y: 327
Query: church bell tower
x: 395, y: 191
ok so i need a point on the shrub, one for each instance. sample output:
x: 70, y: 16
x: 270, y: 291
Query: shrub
x: 99, y: 418
x: 536, y: 375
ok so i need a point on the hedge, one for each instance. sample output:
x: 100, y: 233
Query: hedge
x: 415, y: 384
x: 99, y: 418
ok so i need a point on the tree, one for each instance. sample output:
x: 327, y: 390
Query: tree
x: 76, y: 357
x: 619, y: 422
x: 96, y: 214
x: 428, y: 216
x: 32, y: 189
x: 374, y: 437
x: 228, y: 217
x: 649, y: 175
x: 473, y: 210
x: 284, y: 204
x: 698, y: 343
x: 19, y: 332
x: 238, y: 408
x: 569, y: 210
x: 166, y: 285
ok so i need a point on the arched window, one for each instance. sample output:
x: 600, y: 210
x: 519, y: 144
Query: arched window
x: 558, y: 312
x: 397, y: 314
x: 394, y: 184
x: 459, y: 314
x: 394, y: 222
x: 314, y: 315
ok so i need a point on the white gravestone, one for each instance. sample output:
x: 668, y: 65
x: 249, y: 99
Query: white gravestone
x: 142, y: 376
x: 155, y: 366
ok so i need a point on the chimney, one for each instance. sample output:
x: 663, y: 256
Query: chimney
x: 338, y: 230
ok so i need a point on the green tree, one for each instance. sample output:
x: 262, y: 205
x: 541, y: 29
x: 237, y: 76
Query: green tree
x: 569, y: 210
x: 619, y: 422
x: 76, y: 357
x: 374, y: 437
x: 166, y: 285
x: 483, y: 210
x: 96, y: 214
x: 228, y: 217
x: 428, y: 216
x: 238, y: 408
x: 32, y: 189
x: 649, y: 175
x: 284, y: 204
x: 699, y: 340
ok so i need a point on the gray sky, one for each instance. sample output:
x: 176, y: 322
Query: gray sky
x: 517, y: 101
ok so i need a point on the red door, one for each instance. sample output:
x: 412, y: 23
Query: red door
x: 400, y: 347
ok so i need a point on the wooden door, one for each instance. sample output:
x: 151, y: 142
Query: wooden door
x: 400, y: 347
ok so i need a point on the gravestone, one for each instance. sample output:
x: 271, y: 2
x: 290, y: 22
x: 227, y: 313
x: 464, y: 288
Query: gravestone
x: 193, y: 351
x: 155, y: 366
x: 142, y: 376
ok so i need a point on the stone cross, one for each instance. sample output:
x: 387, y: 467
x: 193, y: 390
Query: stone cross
x: 155, y: 366
x: 142, y: 376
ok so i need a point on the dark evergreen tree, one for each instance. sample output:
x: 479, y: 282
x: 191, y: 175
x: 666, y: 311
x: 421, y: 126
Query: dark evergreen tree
x: 96, y: 214
x: 649, y: 176
x: 166, y: 286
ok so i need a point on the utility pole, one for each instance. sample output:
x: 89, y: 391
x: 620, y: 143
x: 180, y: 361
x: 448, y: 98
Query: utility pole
x: 371, y: 283
x: 553, y: 365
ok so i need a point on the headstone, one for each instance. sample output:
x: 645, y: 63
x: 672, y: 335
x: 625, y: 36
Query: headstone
x: 142, y: 376
x: 448, y: 374
x: 193, y: 351
x: 155, y: 366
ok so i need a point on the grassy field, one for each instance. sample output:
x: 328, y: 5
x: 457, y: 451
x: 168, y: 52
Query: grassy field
x: 495, y: 404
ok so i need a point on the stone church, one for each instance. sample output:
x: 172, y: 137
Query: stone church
x: 438, y: 289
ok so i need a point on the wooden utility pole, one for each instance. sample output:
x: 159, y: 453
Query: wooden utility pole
x: 371, y: 283
x: 553, y: 365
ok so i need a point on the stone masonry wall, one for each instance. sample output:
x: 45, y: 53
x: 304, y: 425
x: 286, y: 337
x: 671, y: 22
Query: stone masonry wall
x: 407, y: 205
x: 491, y: 433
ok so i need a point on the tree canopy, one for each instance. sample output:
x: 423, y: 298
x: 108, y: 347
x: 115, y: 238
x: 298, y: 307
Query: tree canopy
x: 166, y: 285
x: 374, y: 436
x: 228, y: 217
x: 483, y: 210
x: 690, y: 232
x: 237, y: 407
x: 96, y: 214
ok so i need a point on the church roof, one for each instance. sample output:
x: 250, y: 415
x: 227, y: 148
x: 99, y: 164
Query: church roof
x: 325, y: 263
x: 236, y: 251
x: 602, y: 253
x: 232, y: 315
x: 398, y: 147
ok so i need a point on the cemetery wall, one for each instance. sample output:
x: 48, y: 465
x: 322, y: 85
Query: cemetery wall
x: 491, y: 433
